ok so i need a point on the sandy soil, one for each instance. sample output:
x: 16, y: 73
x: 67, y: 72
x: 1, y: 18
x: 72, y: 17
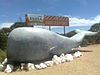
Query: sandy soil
x: 88, y: 64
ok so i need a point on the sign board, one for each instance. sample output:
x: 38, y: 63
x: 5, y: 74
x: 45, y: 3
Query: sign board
x: 38, y: 19
x: 34, y: 19
x: 56, y: 21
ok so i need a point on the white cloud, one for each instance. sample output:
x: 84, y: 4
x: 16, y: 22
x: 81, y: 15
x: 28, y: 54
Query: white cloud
x: 5, y: 25
x: 74, y: 21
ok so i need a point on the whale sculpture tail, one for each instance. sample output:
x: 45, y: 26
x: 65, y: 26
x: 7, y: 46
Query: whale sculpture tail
x: 86, y: 33
x: 81, y: 34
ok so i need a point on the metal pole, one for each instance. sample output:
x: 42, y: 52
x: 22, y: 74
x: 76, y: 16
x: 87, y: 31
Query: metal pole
x: 50, y: 28
x: 33, y: 26
x: 64, y: 30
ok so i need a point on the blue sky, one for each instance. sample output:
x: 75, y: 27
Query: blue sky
x: 80, y: 12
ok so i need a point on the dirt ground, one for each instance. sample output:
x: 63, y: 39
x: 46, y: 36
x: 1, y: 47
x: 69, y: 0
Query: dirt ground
x: 88, y: 64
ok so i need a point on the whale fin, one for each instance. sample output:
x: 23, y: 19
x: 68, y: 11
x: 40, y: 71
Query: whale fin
x: 86, y: 33
x: 81, y: 34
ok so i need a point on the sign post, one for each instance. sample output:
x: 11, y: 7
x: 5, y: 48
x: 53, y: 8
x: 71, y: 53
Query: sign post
x: 50, y: 28
x: 64, y: 30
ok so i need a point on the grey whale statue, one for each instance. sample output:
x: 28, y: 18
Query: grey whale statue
x: 27, y: 44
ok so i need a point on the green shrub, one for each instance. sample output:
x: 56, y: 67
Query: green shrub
x: 2, y: 55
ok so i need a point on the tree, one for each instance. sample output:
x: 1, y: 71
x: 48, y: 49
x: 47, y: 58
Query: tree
x: 70, y: 34
x: 4, y: 32
x: 95, y: 28
x: 17, y: 24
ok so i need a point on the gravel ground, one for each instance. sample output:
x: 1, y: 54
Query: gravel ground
x: 88, y: 64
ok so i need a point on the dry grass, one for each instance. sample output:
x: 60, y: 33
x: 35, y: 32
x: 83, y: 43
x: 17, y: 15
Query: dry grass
x: 88, y: 64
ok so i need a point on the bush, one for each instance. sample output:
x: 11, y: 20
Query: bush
x: 2, y: 55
